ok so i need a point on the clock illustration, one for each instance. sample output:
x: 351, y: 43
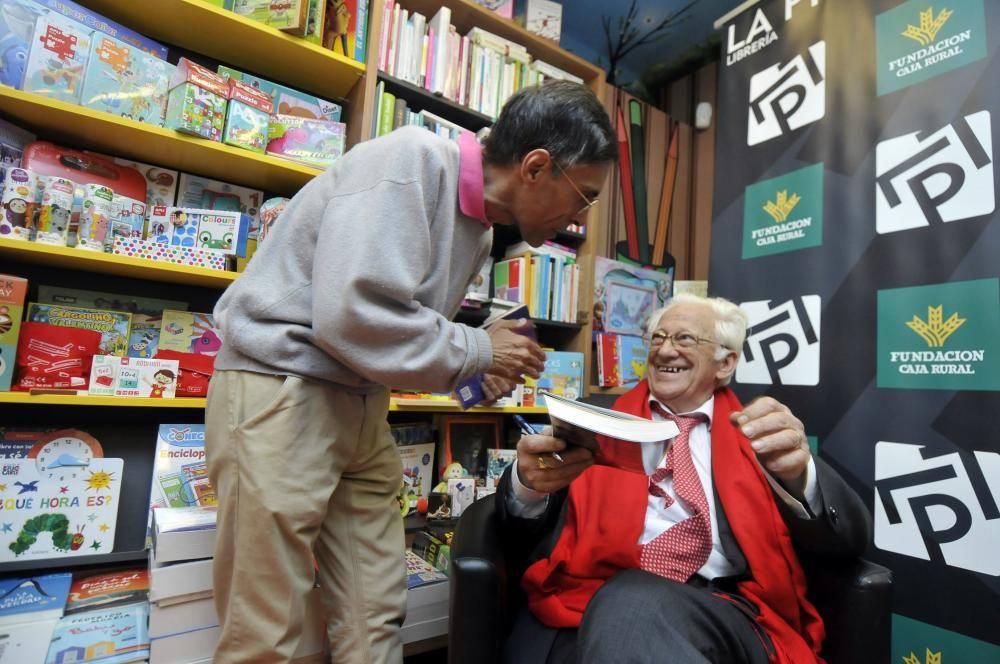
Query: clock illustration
x: 64, y: 454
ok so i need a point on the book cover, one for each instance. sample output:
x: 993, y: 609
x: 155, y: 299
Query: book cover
x: 180, y: 476
x: 626, y: 295
x: 113, y: 325
x: 34, y: 597
x: 109, y: 636
x: 59, y: 503
x: 563, y: 375
x: 418, y: 470
x: 470, y: 390
x: 26, y: 642
x: 107, y: 590
x: 189, y: 332
x: 632, y: 354
x: 419, y: 572
x: 497, y: 462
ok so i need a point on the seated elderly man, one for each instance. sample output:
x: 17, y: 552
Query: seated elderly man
x: 695, y: 563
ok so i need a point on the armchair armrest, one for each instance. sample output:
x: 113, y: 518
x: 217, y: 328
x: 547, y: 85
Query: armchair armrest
x: 855, y: 599
x: 478, y: 602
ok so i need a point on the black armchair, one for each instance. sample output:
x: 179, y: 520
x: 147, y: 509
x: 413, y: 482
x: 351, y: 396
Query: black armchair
x: 854, y: 598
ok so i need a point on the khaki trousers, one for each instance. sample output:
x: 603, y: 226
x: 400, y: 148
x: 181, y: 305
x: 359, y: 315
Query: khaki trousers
x: 303, y: 469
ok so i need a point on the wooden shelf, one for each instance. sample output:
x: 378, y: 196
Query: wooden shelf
x: 83, y: 127
x: 87, y: 400
x: 420, y: 99
x: 99, y: 559
x: 239, y: 42
x: 466, y: 15
x: 121, y: 266
x: 451, y: 406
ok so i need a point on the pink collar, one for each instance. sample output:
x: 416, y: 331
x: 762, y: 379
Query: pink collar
x: 471, y: 198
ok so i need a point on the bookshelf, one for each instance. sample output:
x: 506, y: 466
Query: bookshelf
x: 425, y: 101
x: 23, y: 398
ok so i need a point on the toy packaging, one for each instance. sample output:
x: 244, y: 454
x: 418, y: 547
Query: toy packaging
x: 290, y: 16
x: 247, y: 116
x: 215, y: 230
x: 315, y: 143
x: 161, y: 183
x: 418, y: 471
x: 197, y: 101
x: 195, y: 191
x: 52, y: 225
x: 128, y: 220
x: 287, y: 101
x: 98, y: 23
x: 126, y: 81
x: 543, y: 17
x: 12, y: 293
x: 53, y: 356
x: 314, y: 22
x: 58, y: 58
x: 133, y: 377
x: 255, y: 10
x: 17, y: 202
x: 13, y: 139
x: 95, y: 217
x: 112, y: 325
x: 189, y: 332
x: 154, y: 251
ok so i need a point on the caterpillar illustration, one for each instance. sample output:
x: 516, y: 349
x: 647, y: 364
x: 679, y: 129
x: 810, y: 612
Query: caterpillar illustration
x: 57, y: 524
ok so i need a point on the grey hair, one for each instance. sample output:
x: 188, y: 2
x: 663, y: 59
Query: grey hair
x: 562, y: 117
x: 730, y: 322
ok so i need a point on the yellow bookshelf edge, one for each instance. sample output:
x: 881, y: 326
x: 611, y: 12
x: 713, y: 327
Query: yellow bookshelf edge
x: 87, y: 400
x: 104, y: 132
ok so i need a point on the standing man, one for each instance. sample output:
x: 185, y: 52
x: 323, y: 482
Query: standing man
x: 354, y: 292
x: 697, y: 560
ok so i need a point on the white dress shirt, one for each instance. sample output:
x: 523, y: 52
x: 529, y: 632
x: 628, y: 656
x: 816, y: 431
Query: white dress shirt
x: 528, y: 503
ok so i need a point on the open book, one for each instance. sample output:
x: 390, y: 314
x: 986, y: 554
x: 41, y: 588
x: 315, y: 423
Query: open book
x: 616, y: 439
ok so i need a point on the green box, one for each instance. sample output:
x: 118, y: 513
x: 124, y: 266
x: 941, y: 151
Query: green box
x: 197, y: 111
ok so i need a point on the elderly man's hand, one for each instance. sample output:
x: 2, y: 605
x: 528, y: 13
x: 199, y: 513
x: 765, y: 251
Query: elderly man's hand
x: 538, y: 469
x: 779, y: 439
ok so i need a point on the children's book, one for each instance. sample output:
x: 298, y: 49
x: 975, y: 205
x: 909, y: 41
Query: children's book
x: 180, y: 476
x: 113, y: 325
x: 107, y: 590
x: 419, y: 572
x: 626, y: 295
x: 60, y: 502
x: 41, y: 597
x: 26, y: 641
x: 418, y: 470
x: 632, y: 354
x: 563, y: 375
x: 151, y: 378
x: 109, y: 636
x: 497, y: 462
x: 189, y: 332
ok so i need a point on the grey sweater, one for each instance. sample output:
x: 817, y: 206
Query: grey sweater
x: 359, y: 278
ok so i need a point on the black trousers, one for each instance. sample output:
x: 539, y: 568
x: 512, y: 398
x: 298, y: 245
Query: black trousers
x: 641, y: 618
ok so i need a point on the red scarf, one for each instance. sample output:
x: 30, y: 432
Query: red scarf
x: 612, y: 503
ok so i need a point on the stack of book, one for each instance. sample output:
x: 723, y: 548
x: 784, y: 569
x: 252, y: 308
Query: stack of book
x: 426, y: 600
x: 183, y: 625
x: 106, y: 620
x: 29, y: 610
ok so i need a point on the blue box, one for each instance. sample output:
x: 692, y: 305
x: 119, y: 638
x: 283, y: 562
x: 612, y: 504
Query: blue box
x: 126, y: 81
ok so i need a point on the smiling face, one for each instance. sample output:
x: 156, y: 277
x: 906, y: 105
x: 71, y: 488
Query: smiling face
x: 684, y: 378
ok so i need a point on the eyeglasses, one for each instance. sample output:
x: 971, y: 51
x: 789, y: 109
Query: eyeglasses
x: 587, y: 203
x: 679, y: 340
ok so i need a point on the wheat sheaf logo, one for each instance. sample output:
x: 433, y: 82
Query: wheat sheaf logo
x: 935, y: 330
x: 929, y: 26
x: 782, y: 207
x: 932, y: 658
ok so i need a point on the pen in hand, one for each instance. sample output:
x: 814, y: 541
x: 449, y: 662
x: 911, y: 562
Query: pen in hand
x: 528, y: 430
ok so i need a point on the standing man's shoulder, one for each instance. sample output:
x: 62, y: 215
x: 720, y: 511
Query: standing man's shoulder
x: 411, y: 146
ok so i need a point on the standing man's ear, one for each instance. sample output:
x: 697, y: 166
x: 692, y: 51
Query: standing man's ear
x: 535, y: 163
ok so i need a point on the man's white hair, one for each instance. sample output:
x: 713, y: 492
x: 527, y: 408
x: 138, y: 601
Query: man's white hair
x: 730, y: 322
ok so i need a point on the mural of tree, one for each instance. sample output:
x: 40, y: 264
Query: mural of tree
x: 633, y: 33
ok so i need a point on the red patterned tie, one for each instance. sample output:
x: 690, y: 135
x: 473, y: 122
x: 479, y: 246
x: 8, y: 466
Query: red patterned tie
x: 682, y: 549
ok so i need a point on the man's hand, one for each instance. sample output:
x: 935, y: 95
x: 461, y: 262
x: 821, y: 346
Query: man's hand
x: 515, y: 355
x: 779, y: 439
x: 495, y: 387
x: 538, y: 469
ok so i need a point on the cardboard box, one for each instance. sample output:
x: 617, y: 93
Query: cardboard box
x: 133, y: 377
x: 247, y: 117
x: 155, y: 251
x: 58, y: 58
x: 12, y: 294
x: 288, y: 101
x: 126, y: 81
x: 208, y: 230
x: 313, y: 143
x: 197, y: 101
x: 543, y: 17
